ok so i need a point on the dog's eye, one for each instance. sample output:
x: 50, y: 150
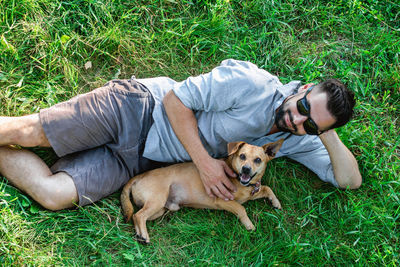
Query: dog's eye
x: 242, y: 156
x: 257, y: 161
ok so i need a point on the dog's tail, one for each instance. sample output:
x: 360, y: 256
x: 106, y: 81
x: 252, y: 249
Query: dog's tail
x: 127, y: 207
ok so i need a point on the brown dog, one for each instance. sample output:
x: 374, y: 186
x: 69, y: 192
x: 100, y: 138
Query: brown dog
x: 180, y: 185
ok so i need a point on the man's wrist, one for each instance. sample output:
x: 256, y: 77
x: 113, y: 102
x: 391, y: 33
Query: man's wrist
x: 200, y: 158
x: 328, y: 135
x: 331, y: 140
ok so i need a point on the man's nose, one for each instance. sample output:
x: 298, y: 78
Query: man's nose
x: 298, y: 119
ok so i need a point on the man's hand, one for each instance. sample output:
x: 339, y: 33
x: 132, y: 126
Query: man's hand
x: 213, y: 174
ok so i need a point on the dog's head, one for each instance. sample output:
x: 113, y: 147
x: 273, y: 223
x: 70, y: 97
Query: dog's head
x: 249, y: 161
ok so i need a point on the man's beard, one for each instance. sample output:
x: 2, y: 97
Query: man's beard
x: 280, y: 120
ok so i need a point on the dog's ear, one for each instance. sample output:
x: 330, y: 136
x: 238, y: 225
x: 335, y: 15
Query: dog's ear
x: 272, y: 148
x: 234, y: 146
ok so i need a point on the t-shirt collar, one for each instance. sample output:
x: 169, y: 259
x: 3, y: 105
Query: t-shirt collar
x: 286, y: 90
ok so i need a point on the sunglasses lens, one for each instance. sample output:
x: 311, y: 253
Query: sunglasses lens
x: 302, y: 107
x: 310, y: 127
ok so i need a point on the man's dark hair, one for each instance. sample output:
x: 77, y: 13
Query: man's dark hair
x: 340, y: 101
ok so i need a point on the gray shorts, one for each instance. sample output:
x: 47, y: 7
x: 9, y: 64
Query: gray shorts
x: 99, y: 137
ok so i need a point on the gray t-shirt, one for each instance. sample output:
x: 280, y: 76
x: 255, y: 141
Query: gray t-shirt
x: 236, y: 101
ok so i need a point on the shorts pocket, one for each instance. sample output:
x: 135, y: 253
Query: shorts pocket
x: 130, y: 158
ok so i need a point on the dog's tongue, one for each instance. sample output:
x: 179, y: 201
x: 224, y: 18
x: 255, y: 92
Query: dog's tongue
x: 244, y: 178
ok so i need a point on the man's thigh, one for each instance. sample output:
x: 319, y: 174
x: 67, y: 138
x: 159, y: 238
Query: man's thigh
x: 96, y: 173
x: 102, y: 116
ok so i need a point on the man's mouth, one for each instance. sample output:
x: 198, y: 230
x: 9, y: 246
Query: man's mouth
x: 245, y: 178
x: 287, y: 121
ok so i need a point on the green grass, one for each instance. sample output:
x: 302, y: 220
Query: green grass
x: 44, y: 45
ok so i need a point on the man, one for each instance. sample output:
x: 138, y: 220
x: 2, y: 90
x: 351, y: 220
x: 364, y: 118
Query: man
x: 108, y: 135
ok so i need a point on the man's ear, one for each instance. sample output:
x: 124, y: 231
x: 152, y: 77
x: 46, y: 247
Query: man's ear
x: 234, y: 146
x: 272, y: 148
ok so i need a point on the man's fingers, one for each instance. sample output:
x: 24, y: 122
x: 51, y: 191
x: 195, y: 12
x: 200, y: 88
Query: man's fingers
x: 217, y: 193
x: 216, y: 181
x: 224, y: 192
x: 229, y: 171
x: 228, y: 184
x: 209, y: 191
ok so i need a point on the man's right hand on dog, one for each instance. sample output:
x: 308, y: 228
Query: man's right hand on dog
x: 213, y: 174
x: 212, y: 171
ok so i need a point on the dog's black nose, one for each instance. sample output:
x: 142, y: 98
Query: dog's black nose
x: 246, y: 170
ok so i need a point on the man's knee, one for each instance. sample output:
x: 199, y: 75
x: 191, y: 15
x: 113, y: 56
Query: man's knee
x: 27, y: 131
x: 55, y: 204
x: 356, y: 184
x: 58, y: 192
x: 33, y: 131
x: 353, y: 185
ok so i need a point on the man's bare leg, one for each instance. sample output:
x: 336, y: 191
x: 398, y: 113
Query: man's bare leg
x: 26, y: 170
x: 25, y: 131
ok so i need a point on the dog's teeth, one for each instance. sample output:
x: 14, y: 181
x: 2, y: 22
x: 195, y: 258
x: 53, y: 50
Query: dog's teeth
x: 245, y: 177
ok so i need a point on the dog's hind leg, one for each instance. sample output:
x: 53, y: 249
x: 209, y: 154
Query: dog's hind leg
x: 150, y: 210
x: 266, y: 192
x: 157, y: 215
x: 237, y: 209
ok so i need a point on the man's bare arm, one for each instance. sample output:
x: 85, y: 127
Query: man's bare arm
x: 212, y: 171
x: 345, y: 166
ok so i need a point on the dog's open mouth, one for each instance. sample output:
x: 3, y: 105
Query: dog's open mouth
x: 245, y: 178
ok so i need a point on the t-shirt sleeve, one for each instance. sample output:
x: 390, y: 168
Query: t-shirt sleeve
x: 220, y: 89
x: 317, y: 160
x: 307, y: 150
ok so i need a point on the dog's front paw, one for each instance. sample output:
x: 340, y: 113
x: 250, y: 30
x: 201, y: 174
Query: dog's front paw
x: 250, y: 227
x: 142, y: 240
x: 276, y: 204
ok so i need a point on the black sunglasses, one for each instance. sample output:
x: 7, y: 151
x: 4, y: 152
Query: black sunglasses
x: 304, y: 109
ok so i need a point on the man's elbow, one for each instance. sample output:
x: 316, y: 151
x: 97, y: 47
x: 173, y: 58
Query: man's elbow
x: 353, y: 183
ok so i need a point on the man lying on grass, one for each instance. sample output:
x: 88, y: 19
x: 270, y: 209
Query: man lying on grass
x: 107, y: 136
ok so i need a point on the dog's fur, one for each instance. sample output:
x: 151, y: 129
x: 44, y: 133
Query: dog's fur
x: 180, y: 185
